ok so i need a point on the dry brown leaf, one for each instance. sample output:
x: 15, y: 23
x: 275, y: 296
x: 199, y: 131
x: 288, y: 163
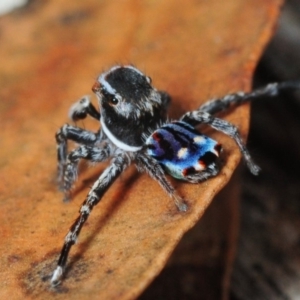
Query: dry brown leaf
x: 202, y: 261
x: 50, y: 54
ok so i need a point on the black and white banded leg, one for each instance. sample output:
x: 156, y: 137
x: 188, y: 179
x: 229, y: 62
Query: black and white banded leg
x: 271, y: 90
x: 91, y: 153
x: 154, y: 169
x: 78, y: 135
x: 199, y: 117
x: 119, y: 163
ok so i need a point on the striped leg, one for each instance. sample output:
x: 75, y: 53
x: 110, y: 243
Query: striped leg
x: 92, y: 153
x: 78, y: 135
x: 273, y: 89
x: 198, y: 117
x: 153, y: 168
x: 110, y: 174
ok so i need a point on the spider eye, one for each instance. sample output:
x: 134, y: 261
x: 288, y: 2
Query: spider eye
x: 111, y: 99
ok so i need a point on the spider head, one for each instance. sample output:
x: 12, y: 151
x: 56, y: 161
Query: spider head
x: 130, y: 106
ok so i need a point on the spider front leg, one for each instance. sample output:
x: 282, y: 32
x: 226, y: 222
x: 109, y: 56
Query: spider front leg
x: 199, y: 117
x: 78, y: 135
x: 153, y: 168
x: 120, y: 162
x: 91, y: 153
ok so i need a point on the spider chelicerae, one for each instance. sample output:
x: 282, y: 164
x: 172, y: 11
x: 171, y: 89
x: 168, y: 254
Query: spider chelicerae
x: 135, y: 129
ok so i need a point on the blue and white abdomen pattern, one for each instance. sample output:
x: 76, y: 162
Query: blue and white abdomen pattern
x: 182, y: 150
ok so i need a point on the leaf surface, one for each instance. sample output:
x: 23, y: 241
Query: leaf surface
x: 51, y: 52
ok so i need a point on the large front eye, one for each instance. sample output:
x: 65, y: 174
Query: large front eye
x: 111, y: 99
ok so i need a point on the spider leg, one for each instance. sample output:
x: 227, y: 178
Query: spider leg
x: 82, y: 108
x: 166, y: 98
x: 92, y: 153
x: 199, y: 117
x: 273, y: 89
x: 78, y: 135
x: 120, y: 162
x: 154, y: 169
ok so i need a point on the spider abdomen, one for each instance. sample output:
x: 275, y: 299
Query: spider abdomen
x: 183, y: 151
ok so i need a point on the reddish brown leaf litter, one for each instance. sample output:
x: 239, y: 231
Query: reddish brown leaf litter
x: 50, y: 55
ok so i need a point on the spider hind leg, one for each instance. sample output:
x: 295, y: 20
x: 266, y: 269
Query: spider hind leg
x: 148, y: 164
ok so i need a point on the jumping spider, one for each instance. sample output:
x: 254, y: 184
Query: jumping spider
x: 135, y: 129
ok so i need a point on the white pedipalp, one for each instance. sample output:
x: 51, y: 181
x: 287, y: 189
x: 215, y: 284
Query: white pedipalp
x: 79, y: 105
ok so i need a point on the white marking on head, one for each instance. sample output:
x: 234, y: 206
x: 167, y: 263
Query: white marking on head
x: 106, y: 85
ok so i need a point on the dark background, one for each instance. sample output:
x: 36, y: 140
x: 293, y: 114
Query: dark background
x: 268, y: 261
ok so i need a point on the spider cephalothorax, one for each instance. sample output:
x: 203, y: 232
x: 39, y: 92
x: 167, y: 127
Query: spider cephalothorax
x: 134, y: 130
x: 129, y: 106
